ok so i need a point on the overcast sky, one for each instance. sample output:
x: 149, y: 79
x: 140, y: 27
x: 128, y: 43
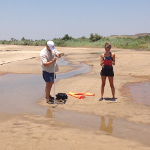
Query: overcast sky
x: 48, y: 19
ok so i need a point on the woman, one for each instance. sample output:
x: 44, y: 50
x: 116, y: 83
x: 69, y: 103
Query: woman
x: 107, y: 60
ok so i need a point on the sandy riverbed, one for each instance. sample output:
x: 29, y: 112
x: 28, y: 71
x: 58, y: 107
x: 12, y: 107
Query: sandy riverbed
x: 29, y: 131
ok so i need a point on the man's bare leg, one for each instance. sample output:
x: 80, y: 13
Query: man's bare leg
x: 48, y: 89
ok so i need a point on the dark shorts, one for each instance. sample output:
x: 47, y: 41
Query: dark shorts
x: 108, y: 72
x: 48, y: 77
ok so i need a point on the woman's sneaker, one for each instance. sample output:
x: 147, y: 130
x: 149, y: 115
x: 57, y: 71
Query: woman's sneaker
x: 113, y: 99
x: 101, y: 99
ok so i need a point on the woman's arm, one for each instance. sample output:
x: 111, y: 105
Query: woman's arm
x: 101, y: 60
x: 113, y: 56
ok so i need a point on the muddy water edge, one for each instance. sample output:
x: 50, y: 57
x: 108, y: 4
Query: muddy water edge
x: 137, y: 92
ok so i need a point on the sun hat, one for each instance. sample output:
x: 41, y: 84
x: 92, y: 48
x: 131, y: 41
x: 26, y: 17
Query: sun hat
x: 51, y: 45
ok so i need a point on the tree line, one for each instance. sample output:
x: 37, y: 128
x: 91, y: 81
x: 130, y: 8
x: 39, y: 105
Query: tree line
x: 59, y: 41
x: 95, y: 40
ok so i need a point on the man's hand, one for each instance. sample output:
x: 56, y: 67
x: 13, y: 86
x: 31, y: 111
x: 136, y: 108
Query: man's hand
x: 50, y: 62
x: 54, y: 59
x: 58, y: 55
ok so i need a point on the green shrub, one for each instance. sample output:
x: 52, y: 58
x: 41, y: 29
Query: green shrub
x: 67, y: 37
x: 148, y: 47
x: 95, y: 37
x: 59, y: 42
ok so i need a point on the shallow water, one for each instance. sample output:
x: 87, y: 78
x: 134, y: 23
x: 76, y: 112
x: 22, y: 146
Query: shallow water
x: 140, y: 92
x: 62, y: 62
x: 119, y: 128
x: 19, y: 92
x: 139, y: 49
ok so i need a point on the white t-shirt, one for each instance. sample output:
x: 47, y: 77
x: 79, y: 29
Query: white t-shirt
x: 47, y: 56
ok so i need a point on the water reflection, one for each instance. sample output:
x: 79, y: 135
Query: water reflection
x: 115, y: 127
x: 108, y: 128
x: 49, y: 113
x: 82, y: 120
x: 105, y: 125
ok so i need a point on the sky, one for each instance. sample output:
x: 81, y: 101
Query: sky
x: 48, y: 19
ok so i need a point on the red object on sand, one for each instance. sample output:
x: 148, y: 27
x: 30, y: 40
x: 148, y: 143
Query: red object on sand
x: 108, y: 62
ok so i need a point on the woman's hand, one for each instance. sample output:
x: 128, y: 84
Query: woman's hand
x: 102, y: 63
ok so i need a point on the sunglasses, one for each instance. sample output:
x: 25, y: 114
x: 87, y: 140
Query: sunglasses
x: 108, y: 47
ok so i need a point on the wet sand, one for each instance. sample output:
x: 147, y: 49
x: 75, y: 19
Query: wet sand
x: 37, y: 131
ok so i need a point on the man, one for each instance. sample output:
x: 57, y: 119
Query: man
x: 48, y: 60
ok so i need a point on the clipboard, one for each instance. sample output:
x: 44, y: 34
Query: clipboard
x: 108, y: 62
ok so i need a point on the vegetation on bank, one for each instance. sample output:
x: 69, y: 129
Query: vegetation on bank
x: 95, y: 40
